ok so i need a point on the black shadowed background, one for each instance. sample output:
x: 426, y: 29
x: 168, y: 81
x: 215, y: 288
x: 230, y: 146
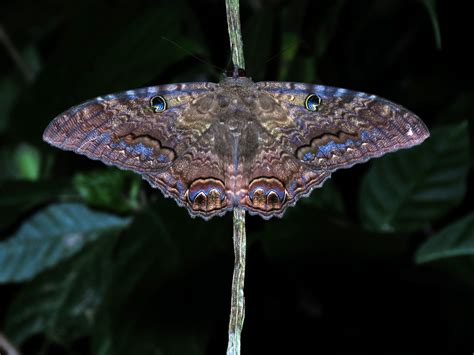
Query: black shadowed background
x: 93, y: 260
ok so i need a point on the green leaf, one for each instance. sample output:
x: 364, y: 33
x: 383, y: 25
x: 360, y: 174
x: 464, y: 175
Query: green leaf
x: 308, y: 232
x: 161, y: 240
x: 11, y: 84
x: 9, y: 90
x: 455, y: 240
x: 161, y: 280
x: 51, y: 235
x: 28, y: 161
x: 406, y: 190
x: 22, y: 162
x: 20, y: 196
x: 99, y: 68
x: 327, y: 198
x: 452, y: 250
x: 63, y: 302
x: 146, y: 245
x: 110, y: 188
x: 459, y: 109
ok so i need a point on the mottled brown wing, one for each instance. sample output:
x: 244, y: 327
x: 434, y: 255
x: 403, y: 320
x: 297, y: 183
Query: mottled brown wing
x: 309, y: 140
x: 346, y: 128
x: 127, y: 131
x: 198, y: 178
x: 124, y: 130
x: 275, y: 179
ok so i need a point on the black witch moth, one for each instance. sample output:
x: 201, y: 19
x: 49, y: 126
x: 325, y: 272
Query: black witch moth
x: 217, y: 146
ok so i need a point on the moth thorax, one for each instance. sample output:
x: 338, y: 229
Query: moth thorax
x: 235, y: 126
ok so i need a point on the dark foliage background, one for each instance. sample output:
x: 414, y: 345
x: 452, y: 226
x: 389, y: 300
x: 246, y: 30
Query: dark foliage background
x: 380, y: 260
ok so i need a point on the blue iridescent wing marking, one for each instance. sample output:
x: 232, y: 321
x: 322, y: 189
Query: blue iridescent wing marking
x: 212, y: 147
x: 347, y: 128
x: 124, y: 130
x: 309, y: 131
x: 128, y: 131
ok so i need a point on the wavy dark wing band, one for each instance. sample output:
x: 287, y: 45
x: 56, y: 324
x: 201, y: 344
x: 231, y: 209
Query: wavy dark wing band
x: 123, y: 129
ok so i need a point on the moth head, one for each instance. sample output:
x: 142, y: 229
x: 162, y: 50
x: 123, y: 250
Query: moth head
x: 158, y: 103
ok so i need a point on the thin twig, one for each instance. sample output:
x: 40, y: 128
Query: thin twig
x: 6, y: 346
x: 25, y: 70
x: 237, y: 312
x: 235, y: 34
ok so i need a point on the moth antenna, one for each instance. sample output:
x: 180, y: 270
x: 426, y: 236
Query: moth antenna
x: 291, y: 46
x: 192, y: 54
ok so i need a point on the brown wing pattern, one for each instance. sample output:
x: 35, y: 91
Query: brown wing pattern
x: 216, y: 146
x: 302, y: 147
x: 124, y: 130
x: 347, y: 128
x: 172, y: 149
x: 198, y: 179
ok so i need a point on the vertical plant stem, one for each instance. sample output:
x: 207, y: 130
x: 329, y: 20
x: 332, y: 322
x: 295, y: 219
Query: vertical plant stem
x: 235, y: 34
x: 6, y: 346
x: 237, y: 311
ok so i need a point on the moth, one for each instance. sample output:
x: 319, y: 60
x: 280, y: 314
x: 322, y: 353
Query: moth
x: 212, y: 147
